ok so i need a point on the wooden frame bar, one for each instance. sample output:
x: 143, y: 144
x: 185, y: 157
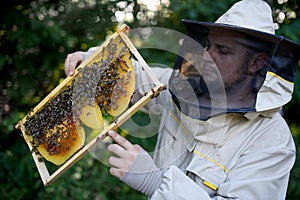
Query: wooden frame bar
x: 48, y: 178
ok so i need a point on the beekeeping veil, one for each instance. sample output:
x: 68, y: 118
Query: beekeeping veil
x: 200, y: 95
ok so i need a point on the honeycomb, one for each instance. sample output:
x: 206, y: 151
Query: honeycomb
x: 102, y: 87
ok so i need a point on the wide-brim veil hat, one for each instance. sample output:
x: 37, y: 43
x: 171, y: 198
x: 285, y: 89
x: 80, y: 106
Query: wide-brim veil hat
x: 254, y: 18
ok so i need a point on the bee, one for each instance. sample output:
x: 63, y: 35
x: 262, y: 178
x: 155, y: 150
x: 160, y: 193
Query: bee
x: 40, y: 159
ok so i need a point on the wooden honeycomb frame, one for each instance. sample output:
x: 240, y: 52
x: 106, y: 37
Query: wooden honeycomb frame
x: 45, y: 175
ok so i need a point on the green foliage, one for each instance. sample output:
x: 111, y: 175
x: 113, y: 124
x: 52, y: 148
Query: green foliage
x: 36, y: 36
x: 88, y: 179
x: 290, y: 29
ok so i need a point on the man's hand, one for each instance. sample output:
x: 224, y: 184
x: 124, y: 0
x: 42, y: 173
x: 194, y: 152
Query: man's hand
x: 72, y: 61
x: 134, y: 166
x: 126, y: 153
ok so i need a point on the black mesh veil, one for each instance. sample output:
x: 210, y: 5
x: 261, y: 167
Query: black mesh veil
x: 202, y: 88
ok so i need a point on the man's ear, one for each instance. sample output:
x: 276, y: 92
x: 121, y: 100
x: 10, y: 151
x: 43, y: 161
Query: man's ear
x: 257, y: 62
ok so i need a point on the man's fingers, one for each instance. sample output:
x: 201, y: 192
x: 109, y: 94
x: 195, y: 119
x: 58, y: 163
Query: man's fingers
x: 117, y: 149
x: 126, y: 154
x: 138, y: 147
x: 114, y: 161
x: 75, y: 60
x: 67, y: 64
x: 116, y: 172
x: 71, y: 62
x: 121, y: 140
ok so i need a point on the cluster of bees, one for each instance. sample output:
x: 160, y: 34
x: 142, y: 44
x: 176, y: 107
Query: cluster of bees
x: 43, y: 122
x: 108, y: 81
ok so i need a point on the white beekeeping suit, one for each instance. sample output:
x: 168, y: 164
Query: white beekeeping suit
x: 219, y: 139
x: 238, y: 152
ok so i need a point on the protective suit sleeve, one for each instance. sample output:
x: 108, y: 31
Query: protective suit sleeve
x: 88, y: 52
x: 143, y: 175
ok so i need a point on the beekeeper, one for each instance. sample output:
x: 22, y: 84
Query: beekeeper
x: 221, y: 135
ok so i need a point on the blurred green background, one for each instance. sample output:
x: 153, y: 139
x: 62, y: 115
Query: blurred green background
x: 36, y: 36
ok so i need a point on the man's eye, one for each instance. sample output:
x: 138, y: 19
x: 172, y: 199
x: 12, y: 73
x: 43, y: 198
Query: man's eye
x: 224, y: 51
